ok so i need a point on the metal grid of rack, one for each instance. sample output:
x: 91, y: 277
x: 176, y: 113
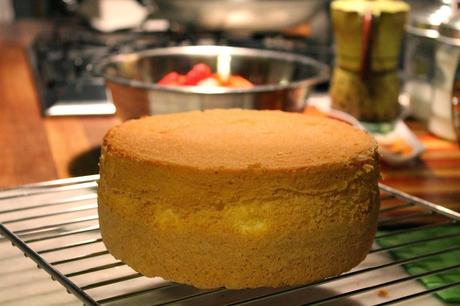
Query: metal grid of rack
x: 55, y: 225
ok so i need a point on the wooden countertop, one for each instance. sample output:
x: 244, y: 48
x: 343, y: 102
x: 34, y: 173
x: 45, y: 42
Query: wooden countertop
x: 35, y: 148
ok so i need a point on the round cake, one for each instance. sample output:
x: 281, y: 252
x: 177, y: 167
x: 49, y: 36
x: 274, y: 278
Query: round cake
x: 238, y: 198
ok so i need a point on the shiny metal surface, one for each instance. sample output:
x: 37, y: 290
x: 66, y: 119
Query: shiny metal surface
x: 283, y: 81
x: 239, y: 15
x: 425, y: 22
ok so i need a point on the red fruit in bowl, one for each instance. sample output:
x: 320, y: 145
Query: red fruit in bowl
x: 198, y: 73
x: 172, y: 78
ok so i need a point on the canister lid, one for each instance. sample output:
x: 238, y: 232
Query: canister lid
x: 449, y: 32
x: 426, y: 22
x: 376, y: 7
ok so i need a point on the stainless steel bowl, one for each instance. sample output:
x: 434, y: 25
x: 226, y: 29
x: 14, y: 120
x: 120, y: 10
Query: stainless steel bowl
x: 282, y: 80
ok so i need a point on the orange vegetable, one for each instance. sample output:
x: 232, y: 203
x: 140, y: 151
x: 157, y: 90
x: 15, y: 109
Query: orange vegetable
x: 237, y: 81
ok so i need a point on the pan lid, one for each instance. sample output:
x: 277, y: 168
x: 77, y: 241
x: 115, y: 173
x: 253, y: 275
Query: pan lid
x: 426, y: 22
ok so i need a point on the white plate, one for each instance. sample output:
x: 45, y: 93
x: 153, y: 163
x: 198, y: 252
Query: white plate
x: 400, y: 132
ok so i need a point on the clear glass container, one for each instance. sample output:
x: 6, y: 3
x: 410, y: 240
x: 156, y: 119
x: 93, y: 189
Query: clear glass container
x: 446, y: 81
x: 440, y: 121
x: 419, y: 57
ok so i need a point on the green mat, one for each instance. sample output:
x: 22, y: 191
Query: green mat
x: 450, y: 295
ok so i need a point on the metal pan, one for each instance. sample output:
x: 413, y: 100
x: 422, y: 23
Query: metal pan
x: 239, y: 15
x: 283, y: 81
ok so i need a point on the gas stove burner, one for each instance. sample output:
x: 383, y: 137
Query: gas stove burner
x: 66, y: 87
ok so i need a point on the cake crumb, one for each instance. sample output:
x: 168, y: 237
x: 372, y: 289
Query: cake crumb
x: 382, y: 293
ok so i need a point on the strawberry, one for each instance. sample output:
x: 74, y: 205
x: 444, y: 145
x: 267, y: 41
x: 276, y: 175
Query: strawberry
x: 198, y: 73
x: 172, y: 79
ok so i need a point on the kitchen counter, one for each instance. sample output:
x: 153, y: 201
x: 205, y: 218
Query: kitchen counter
x: 36, y: 148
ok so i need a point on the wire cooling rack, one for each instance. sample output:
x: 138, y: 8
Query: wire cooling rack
x: 55, y: 224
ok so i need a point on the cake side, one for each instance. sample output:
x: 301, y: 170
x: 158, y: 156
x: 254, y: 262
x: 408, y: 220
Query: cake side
x: 186, y: 188
x: 272, y: 238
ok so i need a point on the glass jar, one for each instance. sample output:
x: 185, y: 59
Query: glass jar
x: 419, y: 57
x: 447, y: 76
x: 368, y: 37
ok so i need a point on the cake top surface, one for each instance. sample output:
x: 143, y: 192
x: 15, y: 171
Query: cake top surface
x: 239, y: 139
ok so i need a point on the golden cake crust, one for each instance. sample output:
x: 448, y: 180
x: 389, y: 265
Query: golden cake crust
x: 238, y: 199
x: 239, y: 139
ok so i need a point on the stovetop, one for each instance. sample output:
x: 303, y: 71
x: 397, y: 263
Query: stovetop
x: 63, y: 58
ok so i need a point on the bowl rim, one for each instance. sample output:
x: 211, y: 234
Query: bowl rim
x: 211, y: 50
